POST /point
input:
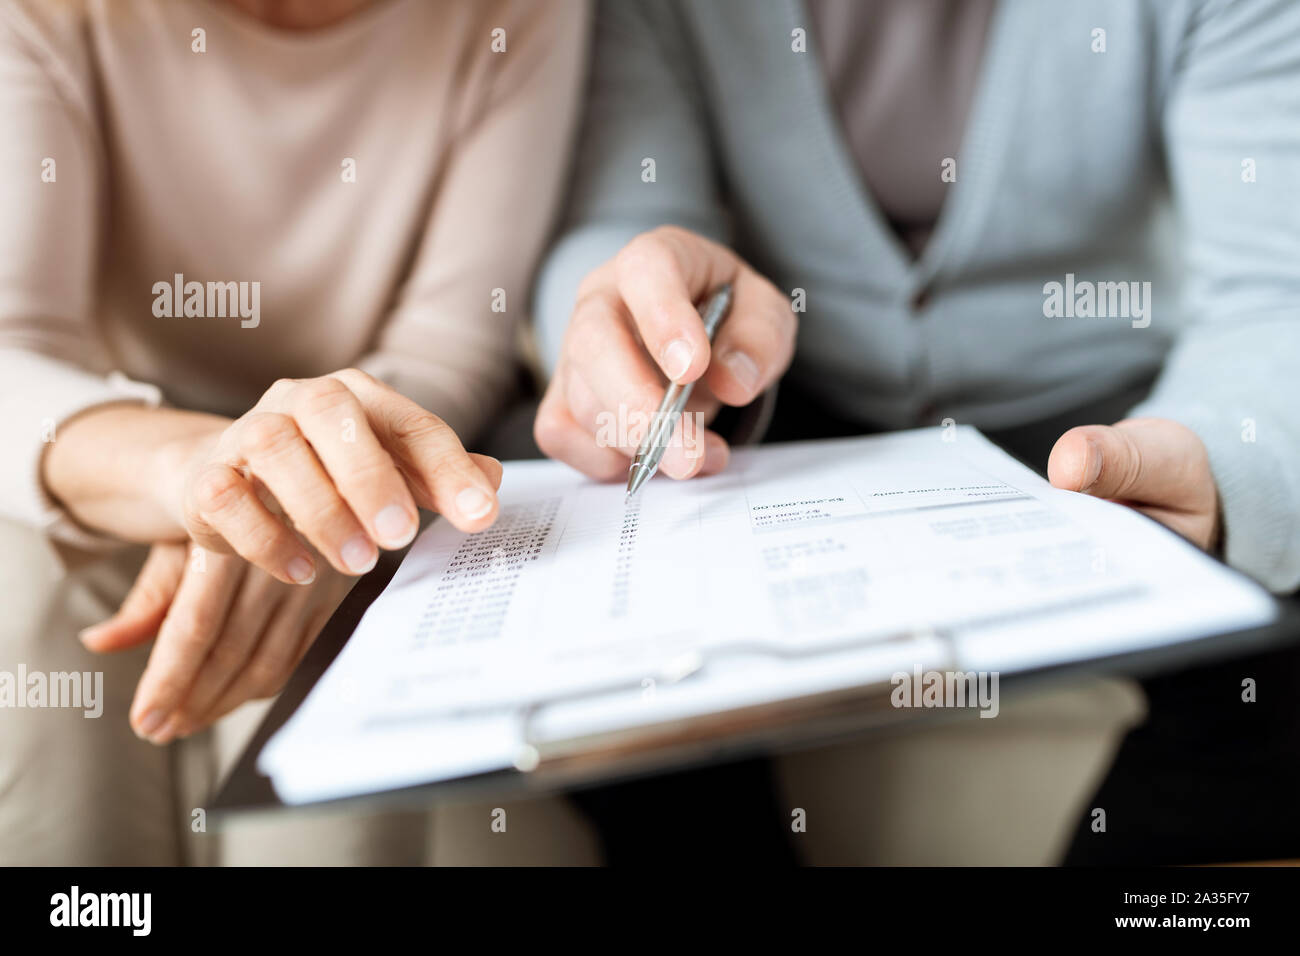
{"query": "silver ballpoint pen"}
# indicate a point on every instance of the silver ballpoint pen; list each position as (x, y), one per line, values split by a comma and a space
(660, 433)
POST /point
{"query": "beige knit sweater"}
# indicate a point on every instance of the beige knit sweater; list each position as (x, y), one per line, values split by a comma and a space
(202, 203)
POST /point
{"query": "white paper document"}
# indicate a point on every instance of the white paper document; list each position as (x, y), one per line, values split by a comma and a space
(804, 568)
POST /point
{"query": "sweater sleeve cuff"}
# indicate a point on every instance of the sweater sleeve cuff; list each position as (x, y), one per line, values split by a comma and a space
(32, 416)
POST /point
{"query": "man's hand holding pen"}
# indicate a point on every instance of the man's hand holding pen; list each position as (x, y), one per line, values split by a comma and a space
(636, 325)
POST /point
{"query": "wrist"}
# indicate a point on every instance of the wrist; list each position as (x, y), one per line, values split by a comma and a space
(117, 469)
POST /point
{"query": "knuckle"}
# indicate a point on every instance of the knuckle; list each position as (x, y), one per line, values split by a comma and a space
(150, 594)
(770, 344)
(318, 396)
(333, 513)
(265, 677)
(216, 489)
(417, 425)
(673, 239)
(369, 472)
(355, 376)
(280, 387)
(226, 656)
(641, 397)
(585, 406)
(1132, 477)
(668, 235)
(441, 467)
(1119, 465)
(266, 433)
(786, 320)
(184, 629)
(260, 543)
(315, 625)
(597, 279)
(587, 337)
(644, 250)
(592, 311)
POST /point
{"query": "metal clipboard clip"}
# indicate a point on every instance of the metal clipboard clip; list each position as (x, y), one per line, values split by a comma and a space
(534, 753)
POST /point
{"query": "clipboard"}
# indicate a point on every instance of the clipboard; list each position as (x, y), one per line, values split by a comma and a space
(618, 755)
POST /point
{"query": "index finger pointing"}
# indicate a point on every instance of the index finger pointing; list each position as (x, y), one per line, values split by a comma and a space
(441, 474)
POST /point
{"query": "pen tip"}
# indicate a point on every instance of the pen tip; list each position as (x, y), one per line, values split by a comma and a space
(637, 476)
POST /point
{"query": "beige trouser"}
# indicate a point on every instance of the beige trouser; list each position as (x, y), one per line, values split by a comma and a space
(85, 791)
(1006, 791)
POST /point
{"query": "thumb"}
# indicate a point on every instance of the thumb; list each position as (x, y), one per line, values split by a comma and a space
(1144, 460)
(145, 606)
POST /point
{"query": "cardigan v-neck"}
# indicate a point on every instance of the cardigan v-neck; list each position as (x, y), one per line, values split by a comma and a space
(901, 75)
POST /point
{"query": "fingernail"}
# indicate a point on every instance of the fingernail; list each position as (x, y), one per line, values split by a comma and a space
(676, 358)
(88, 633)
(167, 732)
(150, 722)
(394, 526)
(743, 369)
(301, 571)
(359, 554)
(473, 503)
(1092, 464)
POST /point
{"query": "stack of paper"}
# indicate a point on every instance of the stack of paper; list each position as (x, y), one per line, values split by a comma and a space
(804, 568)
